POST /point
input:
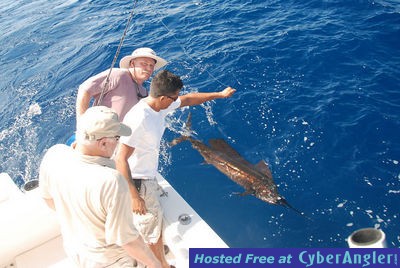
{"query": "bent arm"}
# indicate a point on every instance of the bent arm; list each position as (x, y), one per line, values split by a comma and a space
(137, 249)
(122, 164)
(82, 102)
(192, 99)
(88, 89)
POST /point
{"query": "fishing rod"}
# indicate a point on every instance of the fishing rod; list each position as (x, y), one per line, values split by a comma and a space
(71, 139)
(103, 91)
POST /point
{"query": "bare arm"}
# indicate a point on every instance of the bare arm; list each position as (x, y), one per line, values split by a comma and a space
(50, 203)
(140, 251)
(191, 99)
(82, 102)
(121, 161)
(89, 88)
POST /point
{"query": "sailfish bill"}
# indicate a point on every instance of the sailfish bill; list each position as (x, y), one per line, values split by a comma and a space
(255, 179)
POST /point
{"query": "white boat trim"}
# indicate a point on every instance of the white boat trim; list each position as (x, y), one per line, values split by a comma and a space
(30, 233)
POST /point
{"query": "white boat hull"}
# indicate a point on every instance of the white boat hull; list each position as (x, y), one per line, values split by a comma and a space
(30, 233)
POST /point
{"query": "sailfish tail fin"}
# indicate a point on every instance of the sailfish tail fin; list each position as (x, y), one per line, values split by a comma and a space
(187, 130)
(178, 140)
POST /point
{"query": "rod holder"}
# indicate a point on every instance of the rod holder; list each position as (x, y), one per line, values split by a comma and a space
(367, 238)
(30, 185)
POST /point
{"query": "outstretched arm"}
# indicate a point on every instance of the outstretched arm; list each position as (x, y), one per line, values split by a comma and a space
(191, 99)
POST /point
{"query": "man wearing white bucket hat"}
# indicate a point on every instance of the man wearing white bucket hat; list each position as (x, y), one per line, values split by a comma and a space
(125, 86)
(143, 52)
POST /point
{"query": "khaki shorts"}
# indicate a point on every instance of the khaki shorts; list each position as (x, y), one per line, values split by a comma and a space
(149, 225)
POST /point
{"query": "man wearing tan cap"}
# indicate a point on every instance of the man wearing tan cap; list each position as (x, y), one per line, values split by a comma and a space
(91, 198)
(125, 87)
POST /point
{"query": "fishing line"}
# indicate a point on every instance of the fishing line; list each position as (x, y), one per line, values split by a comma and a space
(187, 54)
(116, 55)
(207, 107)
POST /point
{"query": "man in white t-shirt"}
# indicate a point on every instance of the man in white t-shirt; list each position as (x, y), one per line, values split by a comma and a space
(137, 157)
(91, 198)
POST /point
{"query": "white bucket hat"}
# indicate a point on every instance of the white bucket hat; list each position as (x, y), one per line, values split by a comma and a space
(143, 52)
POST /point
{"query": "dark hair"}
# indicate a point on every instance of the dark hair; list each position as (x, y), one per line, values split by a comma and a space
(165, 83)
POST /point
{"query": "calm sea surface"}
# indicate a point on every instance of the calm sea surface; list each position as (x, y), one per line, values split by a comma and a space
(318, 98)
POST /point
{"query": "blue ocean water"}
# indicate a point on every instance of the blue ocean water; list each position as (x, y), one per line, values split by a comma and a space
(317, 98)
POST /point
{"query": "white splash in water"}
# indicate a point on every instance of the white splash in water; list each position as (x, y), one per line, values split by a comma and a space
(209, 113)
(340, 205)
(33, 110)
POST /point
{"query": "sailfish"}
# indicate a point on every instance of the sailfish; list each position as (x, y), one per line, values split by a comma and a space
(255, 179)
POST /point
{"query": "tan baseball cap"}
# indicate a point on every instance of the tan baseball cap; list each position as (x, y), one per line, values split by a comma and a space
(100, 122)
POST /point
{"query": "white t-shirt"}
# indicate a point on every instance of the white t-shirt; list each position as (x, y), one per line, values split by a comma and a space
(92, 203)
(147, 130)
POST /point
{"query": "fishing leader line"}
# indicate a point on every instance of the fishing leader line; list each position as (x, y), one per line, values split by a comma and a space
(207, 107)
(186, 53)
(191, 58)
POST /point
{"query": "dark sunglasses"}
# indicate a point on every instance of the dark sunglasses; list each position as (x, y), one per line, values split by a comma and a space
(115, 137)
(172, 98)
(140, 96)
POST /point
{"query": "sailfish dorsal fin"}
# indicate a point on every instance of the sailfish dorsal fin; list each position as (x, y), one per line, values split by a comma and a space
(222, 146)
(262, 166)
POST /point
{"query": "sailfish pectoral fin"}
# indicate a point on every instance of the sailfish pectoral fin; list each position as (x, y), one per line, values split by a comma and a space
(247, 192)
